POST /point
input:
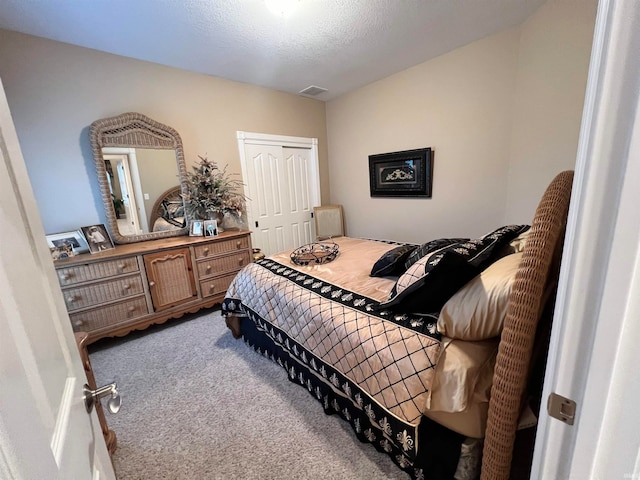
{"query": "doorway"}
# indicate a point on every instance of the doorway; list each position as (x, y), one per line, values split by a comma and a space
(126, 192)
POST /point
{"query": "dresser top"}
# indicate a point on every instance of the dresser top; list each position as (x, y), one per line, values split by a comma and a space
(148, 246)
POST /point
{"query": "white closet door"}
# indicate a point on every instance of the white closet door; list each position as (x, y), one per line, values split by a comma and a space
(281, 181)
(280, 204)
(297, 162)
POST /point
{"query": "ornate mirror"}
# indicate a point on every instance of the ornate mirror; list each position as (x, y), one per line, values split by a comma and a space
(140, 166)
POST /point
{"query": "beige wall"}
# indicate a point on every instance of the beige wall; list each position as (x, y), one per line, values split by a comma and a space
(555, 45)
(502, 115)
(458, 104)
(56, 90)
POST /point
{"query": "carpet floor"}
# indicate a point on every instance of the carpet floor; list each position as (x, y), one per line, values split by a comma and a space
(198, 404)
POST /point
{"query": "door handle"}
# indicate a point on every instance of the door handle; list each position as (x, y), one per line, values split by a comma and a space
(92, 397)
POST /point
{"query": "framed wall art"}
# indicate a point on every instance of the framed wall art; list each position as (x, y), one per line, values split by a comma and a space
(401, 174)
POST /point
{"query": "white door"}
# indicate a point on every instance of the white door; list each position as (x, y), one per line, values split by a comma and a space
(127, 200)
(282, 184)
(593, 354)
(45, 431)
(125, 162)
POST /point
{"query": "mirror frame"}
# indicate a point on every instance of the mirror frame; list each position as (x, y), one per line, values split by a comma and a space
(133, 130)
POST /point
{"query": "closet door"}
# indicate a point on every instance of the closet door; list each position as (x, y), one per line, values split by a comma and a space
(282, 187)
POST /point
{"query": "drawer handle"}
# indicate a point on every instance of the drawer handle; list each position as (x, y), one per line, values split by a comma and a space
(208, 268)
(78, 323)
(131, 309)
(240, 261)
(122, 266)
(126, 286)
(152, 284)
(66, 276)
(206, 251)
(212, 288)
(71, 299)
(238, 244)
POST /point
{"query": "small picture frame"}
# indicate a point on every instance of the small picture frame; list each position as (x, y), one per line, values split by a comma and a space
(196, 228)
(97, 238)
(210, 228)
(63, 251)
(66, 242)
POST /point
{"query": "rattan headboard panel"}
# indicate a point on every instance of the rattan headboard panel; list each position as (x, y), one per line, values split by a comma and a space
(523, 314)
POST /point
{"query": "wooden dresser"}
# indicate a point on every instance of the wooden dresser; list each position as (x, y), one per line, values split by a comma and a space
(136, 285)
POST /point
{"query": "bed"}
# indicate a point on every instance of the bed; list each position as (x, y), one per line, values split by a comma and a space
(424, 349)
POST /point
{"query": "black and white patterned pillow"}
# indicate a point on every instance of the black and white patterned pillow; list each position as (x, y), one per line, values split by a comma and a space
(392, 262)
(431, 281)
(430, 247)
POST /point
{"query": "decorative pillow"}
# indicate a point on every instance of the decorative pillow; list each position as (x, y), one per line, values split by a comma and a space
(429, 282)
(477, 311)
(430, 247)
(392, 262)
(432, 280)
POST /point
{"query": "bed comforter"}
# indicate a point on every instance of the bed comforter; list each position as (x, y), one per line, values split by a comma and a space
(373, 368)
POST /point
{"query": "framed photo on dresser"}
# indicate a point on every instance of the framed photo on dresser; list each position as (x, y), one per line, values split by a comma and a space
(68, 241)
(98, 238)
(210, 228)
(196, 228)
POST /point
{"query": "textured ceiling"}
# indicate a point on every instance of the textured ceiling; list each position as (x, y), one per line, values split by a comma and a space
(339, 45)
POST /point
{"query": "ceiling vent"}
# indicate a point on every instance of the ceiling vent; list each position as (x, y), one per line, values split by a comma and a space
(312, 90)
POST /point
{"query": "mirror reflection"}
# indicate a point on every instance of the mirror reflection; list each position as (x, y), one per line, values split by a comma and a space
(141, 181)
(141, 171)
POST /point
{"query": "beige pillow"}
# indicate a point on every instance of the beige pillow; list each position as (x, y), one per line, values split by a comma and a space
(477, 310)
(463, 374)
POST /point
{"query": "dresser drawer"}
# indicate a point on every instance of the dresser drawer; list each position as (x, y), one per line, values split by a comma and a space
(94, 271)
(103, 292)
(108, 315)
(216, 286)
(225, 246)
(224, 264)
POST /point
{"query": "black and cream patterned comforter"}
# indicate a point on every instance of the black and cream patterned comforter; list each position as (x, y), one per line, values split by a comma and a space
(372, 367)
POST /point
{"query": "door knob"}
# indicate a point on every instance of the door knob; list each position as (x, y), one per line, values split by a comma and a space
(92, 397)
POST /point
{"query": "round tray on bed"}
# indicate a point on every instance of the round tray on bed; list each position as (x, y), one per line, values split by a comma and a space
(315, 253)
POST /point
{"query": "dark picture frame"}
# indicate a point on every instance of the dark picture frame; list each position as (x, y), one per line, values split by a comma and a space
(97, 238)
(408, 173)
(210, 228)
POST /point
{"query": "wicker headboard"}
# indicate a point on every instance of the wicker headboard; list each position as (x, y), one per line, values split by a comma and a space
(525, 307)
(159, 210)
